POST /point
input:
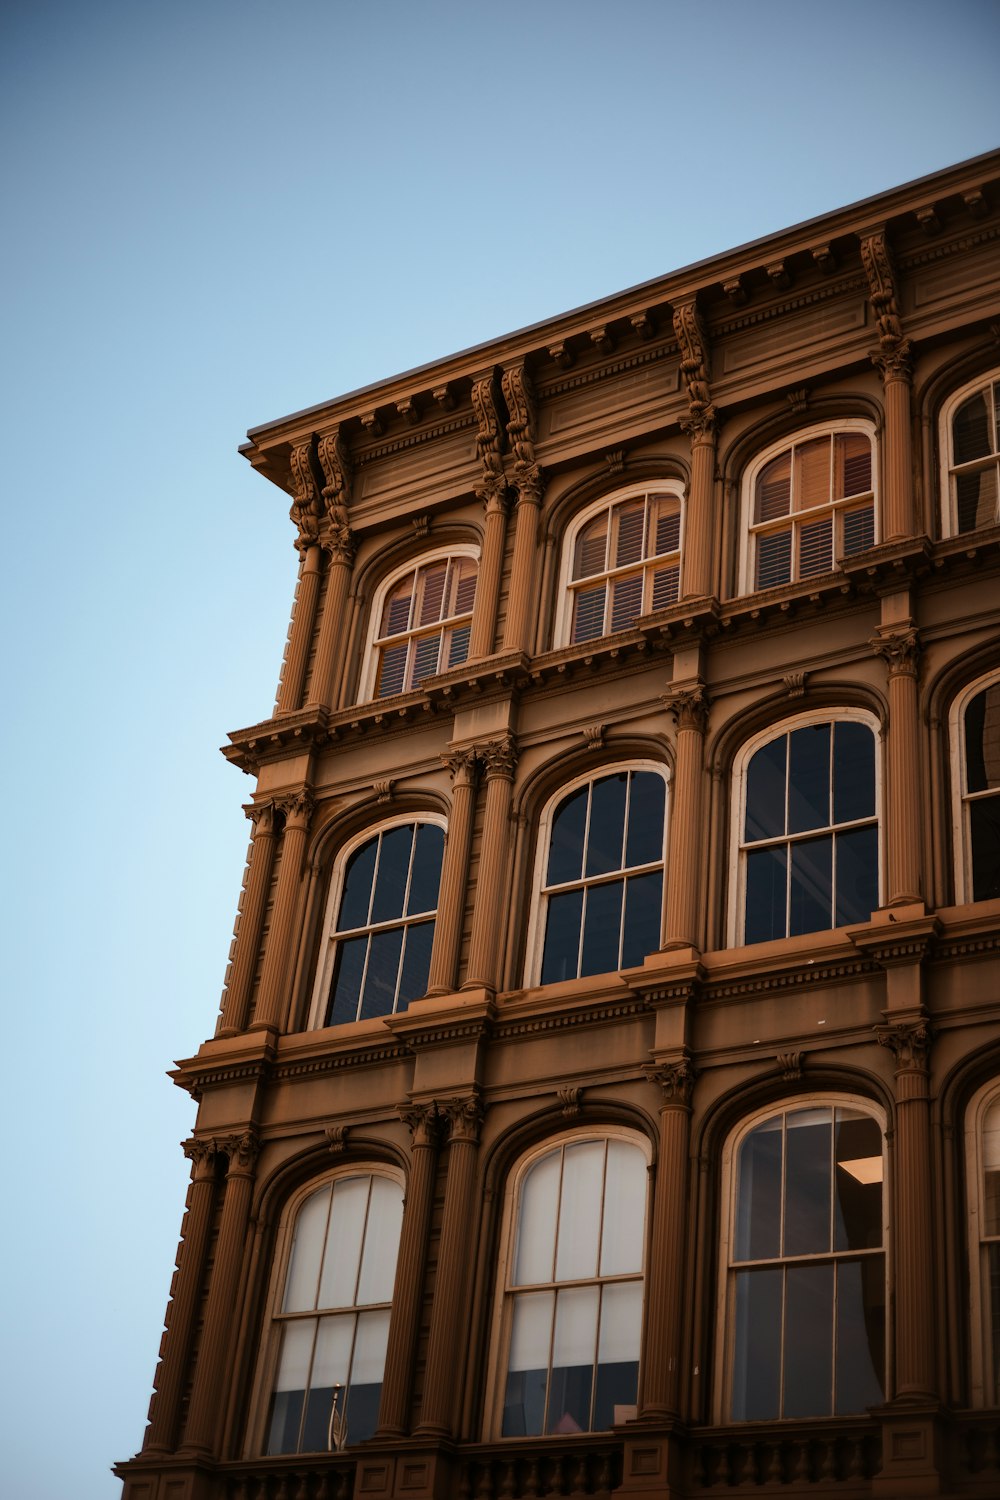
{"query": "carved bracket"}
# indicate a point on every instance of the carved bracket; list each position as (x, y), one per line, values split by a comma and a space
(384, 789)
(790, 1065)
(336, 1136)
(305, 510)
(569, 1099)
(521, 405)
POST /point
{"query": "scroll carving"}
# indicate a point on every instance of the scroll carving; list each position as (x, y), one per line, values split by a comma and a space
(336, 1136)
(569, 1099)
(520, 398)
(790, 1066)
(304, 512)
(893, 355)
(384, 789)
(489, 435)
(690, 334)
(337, 537)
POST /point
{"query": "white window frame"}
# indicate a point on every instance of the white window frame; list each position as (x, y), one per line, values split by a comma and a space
(369, 673)
(674, 488)
(270, 1343)
(983, 1378)
(539, 904)
(749, 529)
(737, 862)
(328, 941)
(961, 840)
(504, 1297)
(724, 1330)
(949, 510)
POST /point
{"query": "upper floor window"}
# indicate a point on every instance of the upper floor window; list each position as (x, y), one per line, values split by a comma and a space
(808, 504)
(380, 923)
(976, 762)
(571, 1287)
(803, 1306)
(421, 621)
(332, 1318)
(971, 443)
(599, 875)
(806, 838)
(983, 1177)
(622, 558)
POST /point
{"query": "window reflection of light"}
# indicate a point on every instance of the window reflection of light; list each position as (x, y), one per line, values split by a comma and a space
(864, 1169)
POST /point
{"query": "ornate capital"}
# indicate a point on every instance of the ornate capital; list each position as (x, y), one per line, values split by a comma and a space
(462, 764)
(464, 1117)
(893, 360)
(900, 649)
(520, 399)
(335, 461)
(688, 707)
(690, 334)
(202, 1156)
(261, 815)
(529, 483)
(494, 494)
(241, 1149)
(702, 425)
(297, 807)
(878, 267)
(909, 1042)
(676, 1079)
(424, 1121)
(499, 757)
(489, 435)
(304, 513)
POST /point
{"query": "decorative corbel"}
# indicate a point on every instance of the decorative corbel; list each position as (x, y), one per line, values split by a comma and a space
(337, 538)
(690, 334)
(569, 1099)
(795, 683)
(790, 1066)
(492, 488)
(336, 1137)
(594, 735)
(305, 512)
(384, 789)
(879, 271)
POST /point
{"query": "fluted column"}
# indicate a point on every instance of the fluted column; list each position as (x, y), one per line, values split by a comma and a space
(697, 569)
(448, 1332)
(899, 646)
(913, 1221)
(500, 759)
(443, 973)
(276, 975)
(408, 1292)
(484, 613)
(161, 1434)
(337, 540)
(667, 1279)
(685, 853)
(897, 504)
(521, 599)
(210, 1376)
(236, 1001)
(300, 639)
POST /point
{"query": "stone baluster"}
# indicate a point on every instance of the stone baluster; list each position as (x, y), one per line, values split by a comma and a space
(275, 975)
(500, 759)
(667, 1279)
(443, 975)
(236, 1001)
(899, 646)
(685, 854)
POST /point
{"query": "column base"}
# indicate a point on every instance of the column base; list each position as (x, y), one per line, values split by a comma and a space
(913, 1450)
(654, 1459)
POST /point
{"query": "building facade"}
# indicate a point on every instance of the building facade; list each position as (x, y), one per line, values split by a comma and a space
(606, 1091)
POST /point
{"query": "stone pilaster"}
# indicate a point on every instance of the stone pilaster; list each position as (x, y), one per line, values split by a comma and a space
(275, 976)
(892, 359)
(521, 600)
(236, 1001)
(697, 569)
(685, 852)
(493, 493)
(667, 1280)
(500, 759)
(899, 647)
(443, 975)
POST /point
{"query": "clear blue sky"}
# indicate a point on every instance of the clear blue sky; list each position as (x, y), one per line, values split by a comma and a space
(217, 212)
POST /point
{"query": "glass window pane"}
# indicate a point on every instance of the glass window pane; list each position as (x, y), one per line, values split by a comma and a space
(857, 1183)
(811, 479)
(808, 1341)
(852, 464)
(758, 1193)
(602, 928)
(774, 490)
(590, 552)
(426, 873)
(666, 529)
(991, 1169)
(393, 868)
(860, 1334)
(631, 518)
(574, 1347)
(644, 844)
(643, 917)
(622, 1235)
(331, 1366)
(810, 896)
(859, 530)
(588, 613)
(391, 671)
(366, 1375)
(464, 572)
(617, 1352)
(424, 658)
(808, 1147)
(853, 771)
(357, 887)
(757, 1345)
(561, 955)
(982, 741)
(816, 548)
(984, 828)
(971, 429)
(416, 963)
(378, 1261)
(626, 601)
(976, 498)
(809, 778)
(766, 895)
(343, 1241)
(857, 875)
(396, 614)
(566, 841)
(580, 1211)
(345, 988)
(536, 1224)
(774, 559)
(528, 1365)
(290, 1386)
(765, 812)
(607, 823)
(309, 1236)
(383, 973)
(432, 593)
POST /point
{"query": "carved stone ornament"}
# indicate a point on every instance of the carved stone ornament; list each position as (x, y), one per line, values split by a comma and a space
(261, 815)
(688, 707)
(297, 807)
(489, 436)
(900, 649)
(336, 1136)
(520, 398)
(798, 400)
(594, 735)
(569, 1099)
(529, 483)
(795, 683)
(424, 1122)
(676, 1079)
(615, 461)
(881, 288)
(241, 1149)
(464, 1117)
(893, 361)
(499, 757)
(337, 536)
(492, 491)
(200, 1153)
(790, 1066)
(462, 763)
(383, 789)
(909, 1042)
(304, 512)
(690, 335)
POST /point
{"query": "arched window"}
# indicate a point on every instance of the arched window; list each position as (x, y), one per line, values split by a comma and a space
(809, 503)
(621, 559)
(331, 1320)
(570, 1314)
(599, 875)
(971, 447)
(380, 922)
(976, 762)
(802, 1310)
(983, 1179)
(806, 839)
(421, 621)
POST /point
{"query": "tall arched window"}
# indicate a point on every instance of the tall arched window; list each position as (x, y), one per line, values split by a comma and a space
(976, 773)
(376, 951)
(331, 1320)
(599, 875)
(971, 447)
(809, 503)
(421, 621)
(802, 1310)
(983, 1182)
(805, 841)
(621, 559)
(571, 1288)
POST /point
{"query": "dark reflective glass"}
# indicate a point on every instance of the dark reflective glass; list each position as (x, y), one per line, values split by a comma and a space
(984, 824)
(425, 876)
(993, 1252)
(857, 1183)
(860, 1335)
(383, 973)
(562, 937)
(566, 841)
(643, 917)
(524, 1403)
(971, 429)
(766, 895)
(765, 816)
(416, 963)
(362, 1411)
(617, 1385)
(348, 972)
(316, 1427)
(607, 824)
(357, 887)
(976, 498)
(808, 1341)
(808, 1145)
(810, 895)
(809, 778)
(757, 1346)
(853, 771)
(393, 868)
(982, 741)
(286, 1417)
(602, 928)
(569, 1398)
(644, 844)
(857, 875)
(758, 1194)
